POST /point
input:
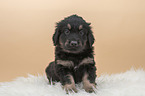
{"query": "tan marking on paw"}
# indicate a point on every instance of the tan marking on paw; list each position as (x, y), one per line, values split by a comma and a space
(65, 63)
(87, 85)
(70, 87)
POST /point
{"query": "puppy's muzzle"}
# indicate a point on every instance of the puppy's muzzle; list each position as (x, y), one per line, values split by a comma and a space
(74, 43)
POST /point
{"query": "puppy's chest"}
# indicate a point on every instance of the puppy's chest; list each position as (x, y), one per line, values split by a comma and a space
(75, 63)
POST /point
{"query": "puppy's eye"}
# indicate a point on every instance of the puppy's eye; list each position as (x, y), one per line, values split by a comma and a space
(81, 33)
(66, 32)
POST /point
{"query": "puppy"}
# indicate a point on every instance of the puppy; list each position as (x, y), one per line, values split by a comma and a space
(74, 60)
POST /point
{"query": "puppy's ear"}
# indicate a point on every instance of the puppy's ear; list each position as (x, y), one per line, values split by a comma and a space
(56, 37)
(91, 39)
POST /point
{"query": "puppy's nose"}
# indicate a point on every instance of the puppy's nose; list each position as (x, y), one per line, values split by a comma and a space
(74, 43)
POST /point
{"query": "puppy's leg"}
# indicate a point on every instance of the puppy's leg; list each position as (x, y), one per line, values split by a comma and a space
(66, 78)
(70, 86)
(51, 74)
(89, 79)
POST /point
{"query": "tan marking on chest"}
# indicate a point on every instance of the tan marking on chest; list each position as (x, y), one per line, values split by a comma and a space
(65, 63)
(86, 61)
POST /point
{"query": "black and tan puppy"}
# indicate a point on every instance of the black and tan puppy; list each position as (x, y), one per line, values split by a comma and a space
(74, 60)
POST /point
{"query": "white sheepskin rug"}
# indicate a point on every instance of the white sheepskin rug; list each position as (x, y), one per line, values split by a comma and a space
(130, 83)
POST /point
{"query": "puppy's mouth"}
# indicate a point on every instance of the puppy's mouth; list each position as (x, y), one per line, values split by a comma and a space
(72, 48)
(68, 47)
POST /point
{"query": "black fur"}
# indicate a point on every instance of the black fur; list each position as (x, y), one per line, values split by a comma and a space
(64, 51)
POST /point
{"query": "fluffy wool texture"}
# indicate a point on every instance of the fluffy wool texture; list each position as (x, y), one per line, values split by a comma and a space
(130, 83)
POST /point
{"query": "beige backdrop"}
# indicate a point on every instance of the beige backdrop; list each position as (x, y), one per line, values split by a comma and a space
(27, 26)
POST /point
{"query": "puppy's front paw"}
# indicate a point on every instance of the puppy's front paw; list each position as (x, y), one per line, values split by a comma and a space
(70, 88)
(89, 87)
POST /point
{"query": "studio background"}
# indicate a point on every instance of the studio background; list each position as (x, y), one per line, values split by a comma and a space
(27, 26)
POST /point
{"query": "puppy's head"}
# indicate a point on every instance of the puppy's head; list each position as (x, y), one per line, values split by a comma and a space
(73, 34)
